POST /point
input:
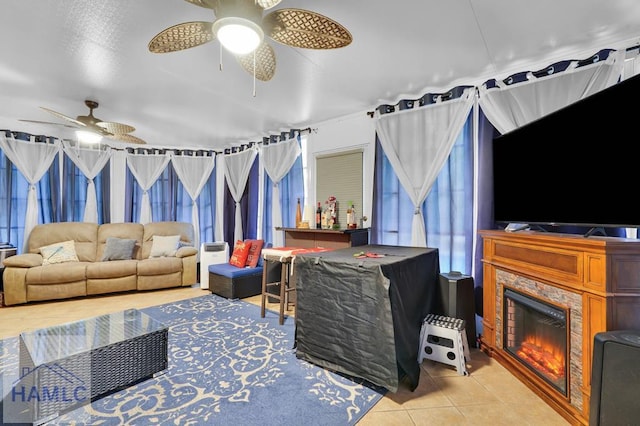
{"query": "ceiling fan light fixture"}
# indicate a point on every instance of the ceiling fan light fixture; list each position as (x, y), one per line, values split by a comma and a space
(238, 35)
(89, 137)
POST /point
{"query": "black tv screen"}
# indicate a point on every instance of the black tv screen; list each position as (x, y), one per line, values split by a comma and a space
(576, 166)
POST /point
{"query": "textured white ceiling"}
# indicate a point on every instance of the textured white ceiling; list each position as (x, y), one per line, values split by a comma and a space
(56, 54)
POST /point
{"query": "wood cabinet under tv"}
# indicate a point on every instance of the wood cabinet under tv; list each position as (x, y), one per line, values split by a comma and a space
(600, 274)
(327, 238)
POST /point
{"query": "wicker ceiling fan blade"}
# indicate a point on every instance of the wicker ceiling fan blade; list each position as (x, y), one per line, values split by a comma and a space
(207, 4)
(49, 123)
(305, 29)
(265, 4)
(64, 117)
(127, 138)
(115, 128)
(211, 4)
(265, 62)
(182, 36)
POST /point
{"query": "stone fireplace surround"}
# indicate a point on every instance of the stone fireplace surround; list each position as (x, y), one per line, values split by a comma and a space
(597, 279)
(558, 297)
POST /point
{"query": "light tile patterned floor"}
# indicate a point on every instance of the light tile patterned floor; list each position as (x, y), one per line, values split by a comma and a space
(490, 395)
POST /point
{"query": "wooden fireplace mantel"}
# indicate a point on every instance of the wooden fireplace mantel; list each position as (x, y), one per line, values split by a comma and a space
(601, 273)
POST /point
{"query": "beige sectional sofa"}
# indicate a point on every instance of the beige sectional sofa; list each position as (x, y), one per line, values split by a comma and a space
(106, 260)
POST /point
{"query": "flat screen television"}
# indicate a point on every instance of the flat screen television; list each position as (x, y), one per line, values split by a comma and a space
(577, 166)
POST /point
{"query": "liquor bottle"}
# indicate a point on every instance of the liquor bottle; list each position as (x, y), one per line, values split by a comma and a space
(319, 216)
(298, 214)
(352, 223)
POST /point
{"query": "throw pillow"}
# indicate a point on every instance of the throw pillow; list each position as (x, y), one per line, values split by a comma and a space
(118, 249)
(240, 253)
(254, 253)
(59, 253)
(164, 246)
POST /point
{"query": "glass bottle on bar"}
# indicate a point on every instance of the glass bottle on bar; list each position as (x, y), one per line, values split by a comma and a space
(319, 216)
(298, 214)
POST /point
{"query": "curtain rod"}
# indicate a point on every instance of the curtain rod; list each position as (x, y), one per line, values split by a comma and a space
(236, 148)
(38, 138)
(307, 130)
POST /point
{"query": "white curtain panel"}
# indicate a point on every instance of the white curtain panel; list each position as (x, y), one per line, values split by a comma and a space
(418, 142)
(220, 195)
(118, 176)
(261, 200)
(193, 172)
(509, 107)
(237, 170)
(146, 168)
(278, 158)
(90, 162)
(32, 159)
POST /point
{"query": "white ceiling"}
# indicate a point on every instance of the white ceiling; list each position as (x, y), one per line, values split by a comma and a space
(56, 54)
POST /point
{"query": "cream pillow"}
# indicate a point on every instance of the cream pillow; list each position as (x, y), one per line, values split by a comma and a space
(164, 246)
(59, 253)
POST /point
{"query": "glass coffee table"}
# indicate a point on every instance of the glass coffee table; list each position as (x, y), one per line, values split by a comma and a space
(69, 365)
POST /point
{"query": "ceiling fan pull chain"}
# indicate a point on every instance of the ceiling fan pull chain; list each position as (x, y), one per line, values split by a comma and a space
(221, 57)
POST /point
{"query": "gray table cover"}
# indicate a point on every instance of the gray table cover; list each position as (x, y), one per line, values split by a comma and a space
(362, 317)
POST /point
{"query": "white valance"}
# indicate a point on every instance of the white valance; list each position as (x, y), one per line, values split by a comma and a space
(509, 107)
(417, 143)
(278, 158)
(146, 168)
(237, 169)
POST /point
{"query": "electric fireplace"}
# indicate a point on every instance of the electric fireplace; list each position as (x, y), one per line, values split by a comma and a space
(589, 284)
(535, 334)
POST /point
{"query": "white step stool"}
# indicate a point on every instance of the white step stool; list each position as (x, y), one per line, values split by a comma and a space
(443, 339)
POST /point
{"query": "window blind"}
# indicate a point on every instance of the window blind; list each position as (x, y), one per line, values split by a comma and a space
(340, 175)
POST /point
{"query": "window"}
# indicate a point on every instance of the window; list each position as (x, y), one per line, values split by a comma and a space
(340, 175)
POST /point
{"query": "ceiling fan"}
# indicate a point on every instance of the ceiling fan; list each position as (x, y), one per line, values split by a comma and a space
(108, 129)
(238, 21)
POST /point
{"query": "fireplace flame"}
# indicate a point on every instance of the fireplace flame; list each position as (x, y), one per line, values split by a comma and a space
(547, 361)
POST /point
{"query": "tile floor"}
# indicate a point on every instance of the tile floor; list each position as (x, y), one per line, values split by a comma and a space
(489, 395)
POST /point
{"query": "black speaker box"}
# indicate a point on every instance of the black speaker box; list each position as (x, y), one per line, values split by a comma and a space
(615, 379)
(458, 300)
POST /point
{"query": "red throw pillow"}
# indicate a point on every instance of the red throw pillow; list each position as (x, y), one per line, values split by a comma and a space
(240, 253)
(254, 252)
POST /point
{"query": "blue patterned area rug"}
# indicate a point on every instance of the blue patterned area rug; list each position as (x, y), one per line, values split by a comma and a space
(227, 365)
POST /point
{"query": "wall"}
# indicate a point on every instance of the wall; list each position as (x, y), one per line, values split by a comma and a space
(348, 133)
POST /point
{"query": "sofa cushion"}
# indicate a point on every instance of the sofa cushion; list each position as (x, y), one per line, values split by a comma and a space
(59, 253)
(231, 271)
(185, 251)
(59, 273)
(112, 269)
(118, 249)
(83, 234)
(123, 230)
(240, 253)
(159, 266)
(254, 253)
(184, 229)
(25, 260)
(164, 246)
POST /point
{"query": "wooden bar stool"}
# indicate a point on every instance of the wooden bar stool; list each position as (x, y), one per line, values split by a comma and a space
(285, 257)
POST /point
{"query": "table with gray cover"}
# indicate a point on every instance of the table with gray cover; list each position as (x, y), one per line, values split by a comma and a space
(362, 316)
